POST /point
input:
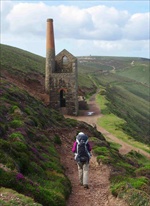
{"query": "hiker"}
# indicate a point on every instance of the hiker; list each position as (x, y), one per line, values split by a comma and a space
(81, 148)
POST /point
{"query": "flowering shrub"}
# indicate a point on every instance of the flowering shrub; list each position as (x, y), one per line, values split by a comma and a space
(34, 150)
(20, 176)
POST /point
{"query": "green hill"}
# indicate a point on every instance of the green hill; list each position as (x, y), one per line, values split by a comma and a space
(31, 135)
(16, 60)
(30, 139)
(126, 81)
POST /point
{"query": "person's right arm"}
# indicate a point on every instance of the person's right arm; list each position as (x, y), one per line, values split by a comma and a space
(89, 147)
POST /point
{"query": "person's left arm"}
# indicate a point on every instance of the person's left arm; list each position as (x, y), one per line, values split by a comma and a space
(74, 148)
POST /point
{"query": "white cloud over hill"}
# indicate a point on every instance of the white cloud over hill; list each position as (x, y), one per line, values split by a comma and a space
(97, 30)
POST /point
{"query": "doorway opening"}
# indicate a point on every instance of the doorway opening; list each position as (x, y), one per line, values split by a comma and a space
(62, 98)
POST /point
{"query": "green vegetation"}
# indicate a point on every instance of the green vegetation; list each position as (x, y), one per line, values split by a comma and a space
(30, 164)
(130, 174)
(15, 199)
(129, 102)
(116, 125)
(126, 90)
(18, 61)
(57, 140)
(138, 72)
(114, 145)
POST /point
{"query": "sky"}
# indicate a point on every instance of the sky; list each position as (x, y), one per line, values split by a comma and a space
(96, 28)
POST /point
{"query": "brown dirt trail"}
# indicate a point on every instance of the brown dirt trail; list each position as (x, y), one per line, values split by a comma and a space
(98, 193)
(92, 120)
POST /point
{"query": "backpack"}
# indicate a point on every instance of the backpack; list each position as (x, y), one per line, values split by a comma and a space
(82, 151)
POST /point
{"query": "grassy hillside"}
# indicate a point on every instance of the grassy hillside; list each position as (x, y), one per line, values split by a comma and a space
(139, 72)
(30, 139)
(130, 101)
(127, 90)
(126, 81)
(16, 60)
(30, 163)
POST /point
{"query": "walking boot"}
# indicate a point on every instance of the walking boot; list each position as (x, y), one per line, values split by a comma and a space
(86, 186)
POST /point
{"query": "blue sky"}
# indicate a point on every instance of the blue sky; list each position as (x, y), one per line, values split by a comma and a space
(101, 28)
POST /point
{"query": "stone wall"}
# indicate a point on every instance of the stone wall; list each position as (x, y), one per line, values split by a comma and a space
(63, 84)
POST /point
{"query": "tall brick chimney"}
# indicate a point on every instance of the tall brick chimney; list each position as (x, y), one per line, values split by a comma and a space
(50, 54)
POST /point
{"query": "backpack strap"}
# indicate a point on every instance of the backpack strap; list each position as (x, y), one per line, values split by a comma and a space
(87, 151)
(78, 142)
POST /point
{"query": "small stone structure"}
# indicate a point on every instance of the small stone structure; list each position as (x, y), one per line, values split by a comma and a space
(60, 76)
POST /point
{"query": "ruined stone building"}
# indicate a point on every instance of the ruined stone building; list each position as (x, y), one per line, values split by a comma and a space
(60, 76)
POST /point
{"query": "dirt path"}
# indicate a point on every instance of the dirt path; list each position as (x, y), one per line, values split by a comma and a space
(98, 193)
(94, 112)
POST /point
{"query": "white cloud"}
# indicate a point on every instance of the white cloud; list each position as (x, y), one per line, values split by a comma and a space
(98, 22)
(5, 8)
(137, 28)
(112, 48)
(27, 18)
(97, 28)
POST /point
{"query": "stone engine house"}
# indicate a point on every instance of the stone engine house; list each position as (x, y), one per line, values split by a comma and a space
(60, 76)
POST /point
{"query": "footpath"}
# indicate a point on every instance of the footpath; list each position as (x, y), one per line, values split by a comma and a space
(98, 193)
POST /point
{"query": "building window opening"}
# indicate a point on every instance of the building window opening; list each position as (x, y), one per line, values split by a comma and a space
(62, 99)
(65, 60)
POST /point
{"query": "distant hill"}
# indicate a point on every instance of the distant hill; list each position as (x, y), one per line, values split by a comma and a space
(127, 84)
(126, 80)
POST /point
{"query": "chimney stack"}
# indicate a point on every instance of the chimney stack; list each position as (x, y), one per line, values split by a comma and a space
(50, 54)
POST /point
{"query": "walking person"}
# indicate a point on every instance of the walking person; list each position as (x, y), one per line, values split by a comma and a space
(81, 148)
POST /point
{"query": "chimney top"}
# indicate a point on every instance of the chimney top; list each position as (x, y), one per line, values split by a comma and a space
(49, 20)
